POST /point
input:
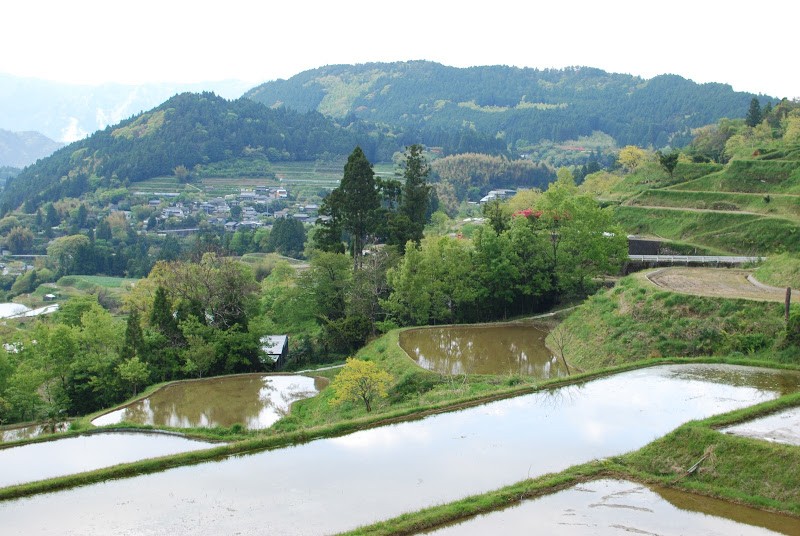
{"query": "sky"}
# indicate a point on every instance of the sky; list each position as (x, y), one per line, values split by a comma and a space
(749, 46)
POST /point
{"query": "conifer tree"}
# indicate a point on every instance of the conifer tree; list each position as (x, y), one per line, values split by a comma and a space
(754, 113)
(359, 201)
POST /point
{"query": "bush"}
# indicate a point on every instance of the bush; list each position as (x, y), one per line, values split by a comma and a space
(413, 384)
(793, 329)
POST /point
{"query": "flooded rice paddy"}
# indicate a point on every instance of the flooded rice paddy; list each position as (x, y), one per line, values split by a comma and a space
(30, 431)
(330, 485)
(781, 427)
(70, 455)
(491, 349)
(613, 507)
(255, 401)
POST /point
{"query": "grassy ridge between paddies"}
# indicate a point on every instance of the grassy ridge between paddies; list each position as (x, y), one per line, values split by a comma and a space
(741, 470)
(754, 176)
(780, 271)
(415, 393)
(731, 233)
(637, 320)
(787, 206)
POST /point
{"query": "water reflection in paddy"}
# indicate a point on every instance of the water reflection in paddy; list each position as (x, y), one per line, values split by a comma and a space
(331, 485)
(69, 455)
(781, 427)
(254, 400)
(491, 349)
(612, 507)
(30, 431)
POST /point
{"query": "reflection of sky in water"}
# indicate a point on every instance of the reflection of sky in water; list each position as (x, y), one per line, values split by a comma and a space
(781, 427)
(332, 485)
(70, 455)
(613, 507)
(255, 401)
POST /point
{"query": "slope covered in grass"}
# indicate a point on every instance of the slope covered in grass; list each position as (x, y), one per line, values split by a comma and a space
(637, 320)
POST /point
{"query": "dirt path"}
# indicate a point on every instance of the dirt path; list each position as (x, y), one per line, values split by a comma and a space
(717, 283)
(707, 210)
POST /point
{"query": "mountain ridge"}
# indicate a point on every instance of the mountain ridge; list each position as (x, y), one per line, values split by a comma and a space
(523, 105)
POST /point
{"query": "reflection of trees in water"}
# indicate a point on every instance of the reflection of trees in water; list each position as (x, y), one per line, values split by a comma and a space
(558, 397)
(516, 349)
(785, 382)
(254, 401)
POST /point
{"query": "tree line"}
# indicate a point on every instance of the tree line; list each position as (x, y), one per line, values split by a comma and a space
(371, 268)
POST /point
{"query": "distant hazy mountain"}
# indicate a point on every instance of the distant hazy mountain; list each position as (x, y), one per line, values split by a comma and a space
(515, 105)
(189, 129)
(66, 112)
(19, 149)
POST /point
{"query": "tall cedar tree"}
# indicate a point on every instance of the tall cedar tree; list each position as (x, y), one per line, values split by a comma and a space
(359, 201)
(753, 113)
(328, 234)
(416, 191)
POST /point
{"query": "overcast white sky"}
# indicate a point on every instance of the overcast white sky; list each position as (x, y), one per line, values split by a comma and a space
(752, 46)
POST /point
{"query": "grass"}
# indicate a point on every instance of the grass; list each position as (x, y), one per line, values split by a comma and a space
(780, 271)
(746, 470)
(740, 234)
(86, 282)
(741, 470)
(768, 204)
(753, 176)
(636, 320)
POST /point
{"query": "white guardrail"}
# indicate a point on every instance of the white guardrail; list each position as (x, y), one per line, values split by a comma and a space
(695, 259)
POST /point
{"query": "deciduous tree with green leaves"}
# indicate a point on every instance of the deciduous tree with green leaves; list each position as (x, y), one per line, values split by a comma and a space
(360, 381)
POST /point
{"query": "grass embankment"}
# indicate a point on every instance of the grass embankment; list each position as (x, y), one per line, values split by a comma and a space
(734, 233)
(741, 470)
(651, 175)
(415, 393)
(637, 320)
(787, 206)
(753, 176)
(780, 271)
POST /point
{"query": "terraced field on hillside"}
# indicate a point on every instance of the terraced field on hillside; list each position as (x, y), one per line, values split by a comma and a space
(749, 207)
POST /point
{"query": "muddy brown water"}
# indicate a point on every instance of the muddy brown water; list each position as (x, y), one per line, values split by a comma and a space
(613, 507)
(491, 349)
(255, 401)
(331, 485)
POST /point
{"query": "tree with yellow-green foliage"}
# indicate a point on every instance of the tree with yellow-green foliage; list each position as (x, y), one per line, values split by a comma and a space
(631, 157)
(360, 381)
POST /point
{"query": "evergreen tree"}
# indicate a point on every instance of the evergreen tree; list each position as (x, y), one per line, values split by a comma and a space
(328, 233)
(134, 339)
(163, 319)
(416, 191)
(754, 115)
(359, 202)
(668, 161)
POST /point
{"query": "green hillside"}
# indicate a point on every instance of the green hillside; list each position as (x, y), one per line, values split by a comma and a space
(746, 203)
(187, 130)
(638, 320)
(516, 106)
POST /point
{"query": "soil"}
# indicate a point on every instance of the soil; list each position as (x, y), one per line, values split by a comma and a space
(717, 283)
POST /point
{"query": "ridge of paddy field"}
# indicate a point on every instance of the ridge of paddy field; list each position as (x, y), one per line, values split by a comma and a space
(638, 320)
(731, 232)
(749, 176)
(781, 205)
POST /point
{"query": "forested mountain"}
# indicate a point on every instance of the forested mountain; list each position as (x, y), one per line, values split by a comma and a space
(186, 130)
(19, 149)
(513, 105)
